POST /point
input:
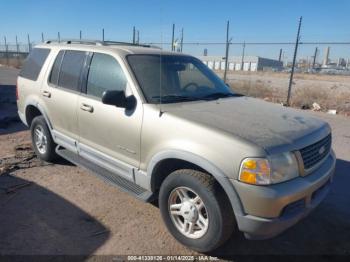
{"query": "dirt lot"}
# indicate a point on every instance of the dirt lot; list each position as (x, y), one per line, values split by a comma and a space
(329, 91)
(62, 209)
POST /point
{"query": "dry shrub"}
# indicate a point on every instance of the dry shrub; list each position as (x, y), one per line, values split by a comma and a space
(326, 98)
(301, 97)
(11, 62)
(257, 89)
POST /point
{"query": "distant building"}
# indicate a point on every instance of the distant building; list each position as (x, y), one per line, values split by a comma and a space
(250, 63)
(205, 52)
(326, 56)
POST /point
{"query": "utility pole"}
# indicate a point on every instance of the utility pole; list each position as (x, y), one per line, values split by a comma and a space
(227, 49)
(294, 60)
(280, 56)
(59, 37)
(182, 39)
(172, 39)
(133, 35)
(138, 37)
(314, 60)
(80, 35)
(243, 53)
(103, 34)
(42, 37)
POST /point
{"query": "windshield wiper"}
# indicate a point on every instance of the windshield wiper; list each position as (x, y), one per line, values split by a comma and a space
(174, 98)
(220, 95)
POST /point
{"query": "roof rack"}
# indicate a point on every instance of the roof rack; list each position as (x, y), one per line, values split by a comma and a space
(97, 43)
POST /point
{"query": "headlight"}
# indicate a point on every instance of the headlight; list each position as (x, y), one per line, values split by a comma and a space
(271, 170)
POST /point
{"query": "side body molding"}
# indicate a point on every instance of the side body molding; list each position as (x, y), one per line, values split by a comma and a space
(222, 179)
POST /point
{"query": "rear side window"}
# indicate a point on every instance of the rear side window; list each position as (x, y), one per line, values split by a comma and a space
(105, 74)
(35, 61)
(55, 72)
(72, 64)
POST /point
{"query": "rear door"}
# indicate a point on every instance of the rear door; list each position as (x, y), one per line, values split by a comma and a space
(109, 136)
(61, 92)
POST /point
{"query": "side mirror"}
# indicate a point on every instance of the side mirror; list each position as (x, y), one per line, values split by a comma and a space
(118, 99)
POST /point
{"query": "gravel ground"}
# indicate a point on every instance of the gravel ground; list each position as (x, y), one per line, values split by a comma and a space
(62, 209)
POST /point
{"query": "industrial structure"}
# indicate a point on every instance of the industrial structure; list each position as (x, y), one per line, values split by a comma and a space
(237, 63)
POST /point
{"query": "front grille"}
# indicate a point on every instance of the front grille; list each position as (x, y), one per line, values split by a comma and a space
(314, 153)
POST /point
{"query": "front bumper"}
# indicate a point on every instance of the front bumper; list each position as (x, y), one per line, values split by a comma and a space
(269, 210)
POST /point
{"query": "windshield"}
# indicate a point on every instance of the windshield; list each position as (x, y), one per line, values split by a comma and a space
(176, 78)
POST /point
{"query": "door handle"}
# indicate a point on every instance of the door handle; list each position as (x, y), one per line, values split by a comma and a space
(46, 94)
(87, 108)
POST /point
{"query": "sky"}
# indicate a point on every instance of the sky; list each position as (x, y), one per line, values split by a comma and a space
(203, 21)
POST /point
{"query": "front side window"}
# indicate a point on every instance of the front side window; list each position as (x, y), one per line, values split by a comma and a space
(33, 64)
(72, 64)
(176, 78)
(105, 73)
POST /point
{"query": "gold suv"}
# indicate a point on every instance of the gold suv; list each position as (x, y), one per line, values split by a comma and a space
(162, 126)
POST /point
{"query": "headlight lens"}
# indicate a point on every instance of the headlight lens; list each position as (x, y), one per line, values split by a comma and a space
(274, 169)
(283, 167)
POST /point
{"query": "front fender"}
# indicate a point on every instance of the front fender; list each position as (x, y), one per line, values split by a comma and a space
(220, 177)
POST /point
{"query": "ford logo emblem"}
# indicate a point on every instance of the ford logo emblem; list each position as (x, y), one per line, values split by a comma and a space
(321, 150)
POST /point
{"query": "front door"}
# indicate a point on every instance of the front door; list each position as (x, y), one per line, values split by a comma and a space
(109, 136)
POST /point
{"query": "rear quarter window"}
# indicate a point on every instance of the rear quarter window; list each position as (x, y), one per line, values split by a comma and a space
(34, 63)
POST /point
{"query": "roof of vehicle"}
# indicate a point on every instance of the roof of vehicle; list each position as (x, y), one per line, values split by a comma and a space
(93, 45)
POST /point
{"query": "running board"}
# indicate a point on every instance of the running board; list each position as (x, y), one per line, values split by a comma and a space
(112, 178)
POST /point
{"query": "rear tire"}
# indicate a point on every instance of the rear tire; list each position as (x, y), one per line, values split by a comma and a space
(42, 141)
(196, 210)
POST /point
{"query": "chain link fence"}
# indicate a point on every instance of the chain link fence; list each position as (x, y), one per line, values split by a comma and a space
(322, 70)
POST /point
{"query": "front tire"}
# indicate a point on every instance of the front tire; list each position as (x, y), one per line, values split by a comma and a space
(42, 141)
(196, 210)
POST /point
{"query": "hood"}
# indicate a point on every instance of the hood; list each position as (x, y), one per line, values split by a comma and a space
(273, 127)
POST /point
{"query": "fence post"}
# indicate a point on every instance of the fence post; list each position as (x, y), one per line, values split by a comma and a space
(227, 50)
(182, 39)
(6, 51)
(17, 49)
(243, 54)
(172, 39)
(293, 65)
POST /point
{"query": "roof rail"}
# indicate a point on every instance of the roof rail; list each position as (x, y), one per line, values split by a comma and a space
(97, 42)
(75, 41)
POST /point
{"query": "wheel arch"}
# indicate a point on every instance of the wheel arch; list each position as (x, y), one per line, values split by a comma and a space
(191, 160)
(33, 109)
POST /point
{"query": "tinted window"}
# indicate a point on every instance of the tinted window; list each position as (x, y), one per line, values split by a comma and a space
(175, 75)
(35, 61)
(71, 67)
(56, 68)
(105, 74)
